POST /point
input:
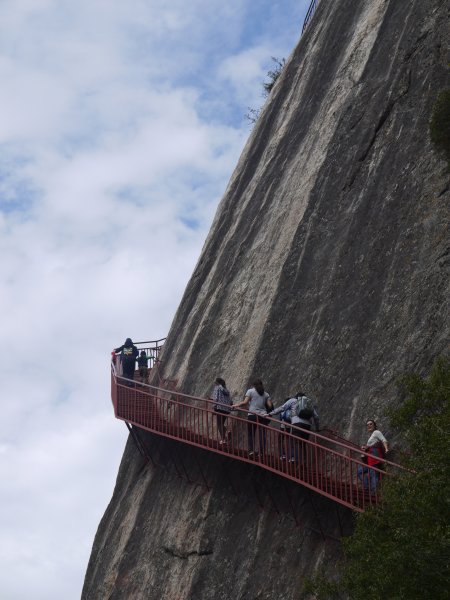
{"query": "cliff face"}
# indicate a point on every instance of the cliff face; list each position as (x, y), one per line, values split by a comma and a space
(326, 267)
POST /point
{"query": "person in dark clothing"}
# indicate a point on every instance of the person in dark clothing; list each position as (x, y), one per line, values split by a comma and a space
(128, 354)
(143, 366)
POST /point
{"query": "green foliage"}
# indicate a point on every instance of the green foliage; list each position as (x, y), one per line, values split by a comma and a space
(402, 551)
(320, 587)
(440, 124)
(253, 113)
(273, 75)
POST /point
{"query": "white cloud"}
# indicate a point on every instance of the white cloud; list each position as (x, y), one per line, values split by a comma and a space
(120, 124)
(244, 72)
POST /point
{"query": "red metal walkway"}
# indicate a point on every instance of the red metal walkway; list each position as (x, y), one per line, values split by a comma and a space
(327, 463)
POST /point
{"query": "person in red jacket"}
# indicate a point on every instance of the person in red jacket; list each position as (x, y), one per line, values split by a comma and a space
(376, 447)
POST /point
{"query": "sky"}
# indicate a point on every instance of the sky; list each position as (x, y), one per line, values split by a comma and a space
(120, 126)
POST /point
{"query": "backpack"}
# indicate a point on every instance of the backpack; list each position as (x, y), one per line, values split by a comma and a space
(381, 465)
(268, 404)
(303, 408)
(286, 416)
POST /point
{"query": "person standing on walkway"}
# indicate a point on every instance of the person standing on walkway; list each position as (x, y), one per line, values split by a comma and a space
(377, 447)
(259, 404)
(302, 412)
(223, 407)
(143, 366)
(128, 354)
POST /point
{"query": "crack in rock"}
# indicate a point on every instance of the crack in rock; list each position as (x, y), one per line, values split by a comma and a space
(176, 553)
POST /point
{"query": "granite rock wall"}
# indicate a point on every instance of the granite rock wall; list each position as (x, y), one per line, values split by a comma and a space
(327, 267)
(327, 262)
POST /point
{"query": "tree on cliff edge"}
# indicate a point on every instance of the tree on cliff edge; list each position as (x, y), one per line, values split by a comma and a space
(402, 551)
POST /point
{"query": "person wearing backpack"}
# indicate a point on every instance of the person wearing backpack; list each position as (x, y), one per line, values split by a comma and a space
(376, 447)
(259, 404)
(302, 412)
(128, 354)
(223, 407)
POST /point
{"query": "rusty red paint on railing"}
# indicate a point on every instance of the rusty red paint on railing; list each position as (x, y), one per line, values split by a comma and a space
(324, 464)
(152, 349)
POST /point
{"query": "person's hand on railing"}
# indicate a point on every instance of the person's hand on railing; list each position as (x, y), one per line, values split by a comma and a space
(239, 404)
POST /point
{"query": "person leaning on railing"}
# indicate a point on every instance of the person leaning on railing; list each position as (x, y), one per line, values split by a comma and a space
(259, 404)
(302, 413)
(128, 354)
(377, 447)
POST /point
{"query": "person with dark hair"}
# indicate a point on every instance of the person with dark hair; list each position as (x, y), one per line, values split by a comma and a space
(128, 354)
(223, 407)
(259, 404)
(376, 447)
(143, 366)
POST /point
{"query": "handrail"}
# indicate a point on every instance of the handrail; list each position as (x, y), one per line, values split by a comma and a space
(152, 342)
(327, 435)
(310, 14)
(323, 464)
(331, 434)
(152, 349)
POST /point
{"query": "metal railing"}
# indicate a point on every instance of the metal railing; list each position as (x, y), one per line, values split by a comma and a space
(310, 14)
(152, 350)
(323, 462)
